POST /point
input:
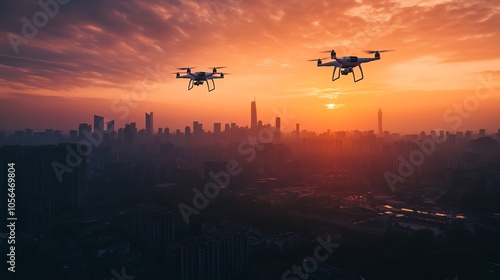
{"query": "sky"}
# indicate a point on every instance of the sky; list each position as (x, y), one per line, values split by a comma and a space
(65, 61)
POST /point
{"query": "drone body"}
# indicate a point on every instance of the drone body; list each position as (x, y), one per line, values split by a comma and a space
(198, 78)
(346, 64)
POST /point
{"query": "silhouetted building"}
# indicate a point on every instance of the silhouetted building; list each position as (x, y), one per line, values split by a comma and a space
(48, 186)
(84, 127)
(29, 133)
(129, 133)
(110, 127)
(217, 128)
(98, 123)
(187, 134)
(380, 130)
(482, 132)
(253, 117)
(153, 226)
(197, 130)
(278, 124)
(149, 124)
(221, 256)
(73, 135)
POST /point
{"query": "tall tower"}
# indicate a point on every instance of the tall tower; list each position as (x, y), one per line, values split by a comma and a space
(253, 113)
(149, 124)
(380, 131)
(98, 123)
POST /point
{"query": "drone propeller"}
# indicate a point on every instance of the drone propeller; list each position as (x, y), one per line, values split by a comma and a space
(314, 60)
(381, 51)
(185, 68)
(218, 67)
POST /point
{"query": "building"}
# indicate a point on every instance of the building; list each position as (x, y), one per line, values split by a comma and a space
(222, 256)
(154, 226)
(84, 127)
(98, 123)
(129, 134)
(380, 130)
(149, 124)
(45, 186)
(253, 117)
(277, 130)
(217, 128)
(197, 130)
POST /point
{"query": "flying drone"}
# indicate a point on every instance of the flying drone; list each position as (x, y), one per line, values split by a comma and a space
(198, 78)
(346, 64)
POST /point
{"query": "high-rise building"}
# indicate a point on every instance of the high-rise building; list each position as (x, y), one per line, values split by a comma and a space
(197, 129)
(221, 256)
(482, 132)
(217, 128)
(149, 124)
(110, 127)
(297, 129)
(253, 113)
(98, 123)
(84, 128)
(110, 132)
(129, 133)
(154, 226)
(380, 131)
(187, 133)
(278, 128)
(48, 187)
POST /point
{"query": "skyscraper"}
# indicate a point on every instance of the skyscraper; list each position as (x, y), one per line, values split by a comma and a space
(98, 123)
(84, 127)
(217, 128)
(380, 131)
(149, 124)
(253, 113)
(278, 128)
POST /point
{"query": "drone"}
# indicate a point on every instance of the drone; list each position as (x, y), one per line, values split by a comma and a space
(198, 78)
(346, 64)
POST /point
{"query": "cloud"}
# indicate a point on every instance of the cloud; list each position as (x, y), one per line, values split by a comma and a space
(108, 44)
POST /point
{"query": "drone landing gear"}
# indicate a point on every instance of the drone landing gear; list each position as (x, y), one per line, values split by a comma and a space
(213, 85)
(190, 84)
(333, 74)
(346, 71)
(354, 76)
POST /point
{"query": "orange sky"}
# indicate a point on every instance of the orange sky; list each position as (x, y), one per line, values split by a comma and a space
(90, 56)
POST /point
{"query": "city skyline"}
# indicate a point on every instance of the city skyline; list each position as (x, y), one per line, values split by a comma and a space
(149, 129)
